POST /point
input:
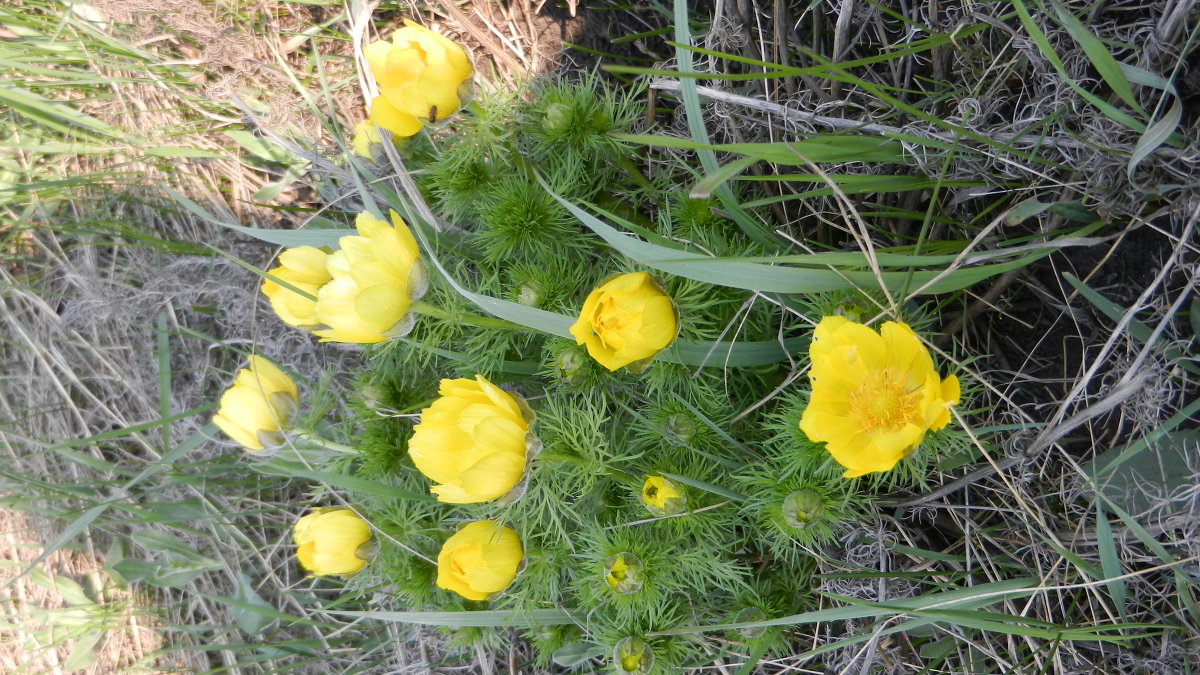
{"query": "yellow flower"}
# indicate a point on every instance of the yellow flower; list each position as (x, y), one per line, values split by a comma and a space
(365, 135)
(480, 559)
(663, 496)
(304, 268)
(874, 395)
(375, 276)
(328, 541)
(422, 77)
(259, 406)
(626, 319)
(473, 440)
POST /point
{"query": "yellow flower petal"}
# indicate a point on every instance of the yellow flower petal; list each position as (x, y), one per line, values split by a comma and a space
(365, 135)
(387, 116)
(304, 268)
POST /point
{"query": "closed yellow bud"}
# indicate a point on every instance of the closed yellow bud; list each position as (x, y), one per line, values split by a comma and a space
(329, 541)
(626, 319)
(375, 276)
(473, 441)
(480, 559)
(663, 496)
(259, 406)
(304, 268)
(422, 77)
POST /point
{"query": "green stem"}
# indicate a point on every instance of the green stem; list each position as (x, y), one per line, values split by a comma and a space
(633, 171)
(426, 309)
(311, 437)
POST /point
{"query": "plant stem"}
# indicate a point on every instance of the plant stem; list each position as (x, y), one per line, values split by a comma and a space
(426, 309)
(311, 437)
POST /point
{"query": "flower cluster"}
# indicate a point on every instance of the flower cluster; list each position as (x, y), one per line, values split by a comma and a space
(667, 482)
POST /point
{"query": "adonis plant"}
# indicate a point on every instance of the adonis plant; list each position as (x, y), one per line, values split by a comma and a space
(553, 428)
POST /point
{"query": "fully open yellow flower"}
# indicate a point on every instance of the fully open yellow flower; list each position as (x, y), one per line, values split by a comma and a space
(874, 395)
(375, 276)
(626, 319)
(473, 440)
(480, 559)
(328, 541)
(422, 77)
(259, 406)
(304, 268)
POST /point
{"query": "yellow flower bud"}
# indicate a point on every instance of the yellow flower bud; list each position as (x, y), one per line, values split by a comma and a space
(623, 573)
(365, 135)
(375, 276)
(259, 406)
(329, 541)
(473, 441)
(874, 395)
(422, 77)
(626, 319)
(663, 496)
(480, 559)
(304, 268)
(632, 656)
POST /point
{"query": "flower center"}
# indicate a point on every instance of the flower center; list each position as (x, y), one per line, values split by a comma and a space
(882, 401)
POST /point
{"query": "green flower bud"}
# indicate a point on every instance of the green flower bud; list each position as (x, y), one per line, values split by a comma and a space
(852, 310)
(557, 117)
(679, 429)
(571, 366)
(632, 656)
(530, 293)
(802, 508)
(749, 615)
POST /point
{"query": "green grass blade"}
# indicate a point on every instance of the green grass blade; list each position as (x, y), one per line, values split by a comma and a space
(1043, 43)
(749, 225)
(1155, 135)
(785, 279)
(1104, 63)
(821, 148)
(530, 618)
(707, 487)
(1110, 561)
